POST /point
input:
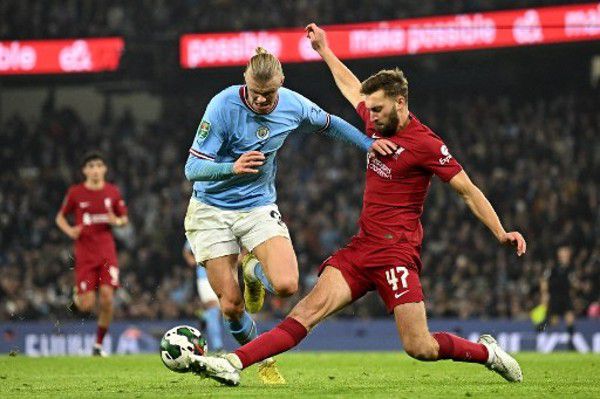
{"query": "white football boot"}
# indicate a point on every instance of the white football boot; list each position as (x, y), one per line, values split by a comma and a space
(500, 361)
(216, 367)
(98, 351)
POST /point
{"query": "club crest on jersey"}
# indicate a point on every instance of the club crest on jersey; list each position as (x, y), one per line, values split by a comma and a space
(203, 130)
(262, 132)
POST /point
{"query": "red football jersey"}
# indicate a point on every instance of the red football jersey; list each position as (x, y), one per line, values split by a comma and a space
(396, 187)
(91, 211)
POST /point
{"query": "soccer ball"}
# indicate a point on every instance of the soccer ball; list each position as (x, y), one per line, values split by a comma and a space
(177, 346)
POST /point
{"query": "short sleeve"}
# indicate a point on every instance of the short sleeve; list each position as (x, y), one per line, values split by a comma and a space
(314, 119)
(120, 207)
(436, 157)
(363, 112)
(210, 134)
(68, 204)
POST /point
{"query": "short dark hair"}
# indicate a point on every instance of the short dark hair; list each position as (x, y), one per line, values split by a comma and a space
(92, 156)
(392, 81)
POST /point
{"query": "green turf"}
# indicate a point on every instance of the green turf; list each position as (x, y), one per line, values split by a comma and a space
(344, 375)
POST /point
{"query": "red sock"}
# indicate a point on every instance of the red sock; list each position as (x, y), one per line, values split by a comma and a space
(100, 333)
(459, 349)
(283, 337)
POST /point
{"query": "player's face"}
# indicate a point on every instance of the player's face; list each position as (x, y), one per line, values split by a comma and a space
(94, 170)
(262, 95)
(383, 111)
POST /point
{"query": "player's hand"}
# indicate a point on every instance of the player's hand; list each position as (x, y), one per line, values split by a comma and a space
(113, 219)
(249, 163)
(515, 239)
(75, 231)
(317, 37)
(384, 147)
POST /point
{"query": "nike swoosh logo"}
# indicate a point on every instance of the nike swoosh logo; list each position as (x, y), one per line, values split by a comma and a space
(400, 294)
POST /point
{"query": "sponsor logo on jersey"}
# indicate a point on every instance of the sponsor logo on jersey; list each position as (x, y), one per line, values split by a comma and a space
(378, 167)
(89, 219)
(203, 130)
(262, 132)
(398, 295)
(446, 153)
(84, 204)
(397, 153)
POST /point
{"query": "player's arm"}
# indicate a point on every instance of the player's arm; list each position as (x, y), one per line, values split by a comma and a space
(201, 164)
(544, 290)
(345, 80)
(117, 212)
(117, 221)
(61, 221)
(339, 129)
(481, 207)
(200, 169)
(319, 121)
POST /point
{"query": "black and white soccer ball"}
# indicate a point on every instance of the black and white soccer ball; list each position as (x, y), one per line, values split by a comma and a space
(178, 345)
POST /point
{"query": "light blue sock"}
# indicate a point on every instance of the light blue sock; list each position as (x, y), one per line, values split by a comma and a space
(260, 274)
(244, 329)
(214, 328)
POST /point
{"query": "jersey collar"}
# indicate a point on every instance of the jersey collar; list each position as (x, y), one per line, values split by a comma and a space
(245, 101)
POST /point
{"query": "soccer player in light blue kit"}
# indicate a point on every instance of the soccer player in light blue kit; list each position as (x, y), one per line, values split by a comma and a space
(211, 313)
(232, 164)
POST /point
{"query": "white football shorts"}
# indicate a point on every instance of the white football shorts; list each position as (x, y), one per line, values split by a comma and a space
(214, 232)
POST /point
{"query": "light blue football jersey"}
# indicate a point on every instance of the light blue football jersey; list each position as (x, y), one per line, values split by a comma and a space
(230, 128)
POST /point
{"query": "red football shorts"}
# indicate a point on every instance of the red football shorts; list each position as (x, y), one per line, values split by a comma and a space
(396, 284)
(90, 275)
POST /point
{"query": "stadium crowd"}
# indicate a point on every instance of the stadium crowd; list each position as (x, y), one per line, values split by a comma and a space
(27, 19)
(537, 160)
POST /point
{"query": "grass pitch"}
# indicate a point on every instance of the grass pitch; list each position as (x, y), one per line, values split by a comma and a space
(323, 375)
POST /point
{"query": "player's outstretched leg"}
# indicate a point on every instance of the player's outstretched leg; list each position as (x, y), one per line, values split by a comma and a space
(500, 361)
(420, 344)
(329, 295)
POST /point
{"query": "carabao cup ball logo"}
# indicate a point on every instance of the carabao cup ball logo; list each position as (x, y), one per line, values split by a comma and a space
(262, 132)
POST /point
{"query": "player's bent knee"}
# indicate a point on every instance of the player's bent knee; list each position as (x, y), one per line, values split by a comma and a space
(86, 305)
(286, 287)
(421, 350)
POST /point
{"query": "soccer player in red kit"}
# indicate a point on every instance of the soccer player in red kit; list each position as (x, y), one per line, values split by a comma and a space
(97, 206)
(385, 254)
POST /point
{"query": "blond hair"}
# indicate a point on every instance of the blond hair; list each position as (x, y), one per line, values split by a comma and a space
(392, 81)
(263, 66)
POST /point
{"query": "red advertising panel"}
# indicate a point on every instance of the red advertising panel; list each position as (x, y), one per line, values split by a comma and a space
(533, 26)
(60, 56)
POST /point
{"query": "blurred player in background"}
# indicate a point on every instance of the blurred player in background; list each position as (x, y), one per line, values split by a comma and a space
(556, 292)
(211, 313)
(232, 163)
(97, 207)
(385, 254)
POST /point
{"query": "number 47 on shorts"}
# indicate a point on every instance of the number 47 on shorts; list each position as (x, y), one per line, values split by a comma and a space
(392, 278)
